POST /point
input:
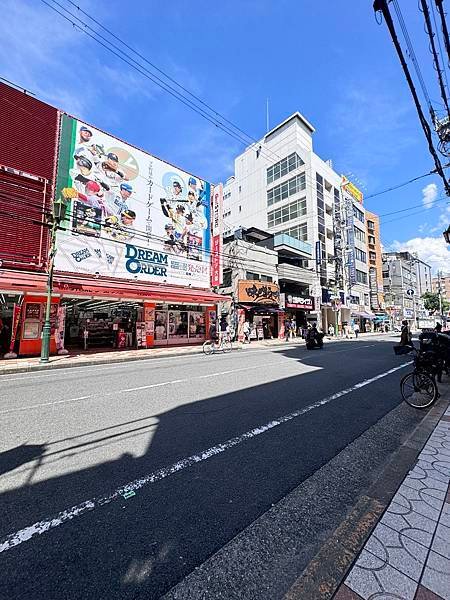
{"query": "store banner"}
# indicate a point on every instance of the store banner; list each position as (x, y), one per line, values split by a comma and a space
(299, 302)
(351, 264)
(217, 230)
(17, 310)
(129, 214)
(258, 292)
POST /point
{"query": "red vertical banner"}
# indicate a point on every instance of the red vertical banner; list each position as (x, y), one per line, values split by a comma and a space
(217, 229)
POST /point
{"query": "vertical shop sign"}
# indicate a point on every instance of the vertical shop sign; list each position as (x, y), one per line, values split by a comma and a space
(217, 227)
(351, 244)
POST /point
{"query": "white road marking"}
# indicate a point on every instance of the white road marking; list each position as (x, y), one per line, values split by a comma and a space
(27, 376)
(25, 534)
(142, 387)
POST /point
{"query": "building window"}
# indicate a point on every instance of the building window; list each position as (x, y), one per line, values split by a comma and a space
(284, 190)
(360, 235)
(286, 213)
(360, 255)
(361, 277)
(371, 225)
(226, 280)
(358, 214)
(257, 277)
(252, 276)
(371, 240)
(283, 167)
(299, 232)
(373, 255)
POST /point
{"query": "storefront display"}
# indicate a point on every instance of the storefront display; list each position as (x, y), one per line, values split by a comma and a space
(176, 326)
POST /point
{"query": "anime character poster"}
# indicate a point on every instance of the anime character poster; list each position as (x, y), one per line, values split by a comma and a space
(130, 215)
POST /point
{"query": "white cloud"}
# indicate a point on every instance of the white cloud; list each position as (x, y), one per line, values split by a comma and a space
(432, 250)
(429, 195)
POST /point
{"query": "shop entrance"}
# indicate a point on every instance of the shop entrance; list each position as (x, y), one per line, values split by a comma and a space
(179, 324)
(8, 302)
(103, 324)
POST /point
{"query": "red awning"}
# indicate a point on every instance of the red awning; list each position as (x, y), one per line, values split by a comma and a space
(75, 285)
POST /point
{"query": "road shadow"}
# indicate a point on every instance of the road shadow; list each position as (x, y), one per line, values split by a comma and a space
(140, 546)
(21, 455)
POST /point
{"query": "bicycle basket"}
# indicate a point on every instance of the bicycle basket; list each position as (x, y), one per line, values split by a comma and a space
(401, 350)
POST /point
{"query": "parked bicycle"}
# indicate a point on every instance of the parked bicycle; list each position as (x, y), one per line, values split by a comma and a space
(224, 344)
(419, 388)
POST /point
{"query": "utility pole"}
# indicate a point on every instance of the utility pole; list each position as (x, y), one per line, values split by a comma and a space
(439, 274)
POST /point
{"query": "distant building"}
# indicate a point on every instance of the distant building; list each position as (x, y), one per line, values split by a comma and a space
(375, 261)
(444, 283)
(405, 280)
(282, 186)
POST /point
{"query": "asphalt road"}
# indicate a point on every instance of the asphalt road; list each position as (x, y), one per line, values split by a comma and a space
(117, 481)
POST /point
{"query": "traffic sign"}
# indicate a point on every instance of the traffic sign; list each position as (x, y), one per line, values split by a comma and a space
(410, 292)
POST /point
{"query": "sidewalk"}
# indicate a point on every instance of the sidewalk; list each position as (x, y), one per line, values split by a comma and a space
(81, 358)
(408, 554)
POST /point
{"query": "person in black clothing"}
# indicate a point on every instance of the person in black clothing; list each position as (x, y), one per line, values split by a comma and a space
(405, 337)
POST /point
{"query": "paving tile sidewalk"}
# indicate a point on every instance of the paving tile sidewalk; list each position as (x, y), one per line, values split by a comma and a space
(22, 365)
(408, 554)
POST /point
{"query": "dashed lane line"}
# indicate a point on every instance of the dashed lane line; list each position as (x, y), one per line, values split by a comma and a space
(41, 527)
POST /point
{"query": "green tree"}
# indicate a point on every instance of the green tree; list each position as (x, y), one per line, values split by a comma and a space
(431, 302)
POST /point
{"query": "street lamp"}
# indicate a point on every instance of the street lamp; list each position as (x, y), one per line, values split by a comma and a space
(58, 215)
(446, 234)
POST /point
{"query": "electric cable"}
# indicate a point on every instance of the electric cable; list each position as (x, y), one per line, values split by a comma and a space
(437, 66)
(440, 7)
(382, 5)
(108, 45)
(116, 37)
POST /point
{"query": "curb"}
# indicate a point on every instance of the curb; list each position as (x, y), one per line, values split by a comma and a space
(328, 569)
(110, 358)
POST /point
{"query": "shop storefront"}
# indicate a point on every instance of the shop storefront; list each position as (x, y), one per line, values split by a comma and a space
(299, 308)
(101, 314)
(363, 319)
(258, 303)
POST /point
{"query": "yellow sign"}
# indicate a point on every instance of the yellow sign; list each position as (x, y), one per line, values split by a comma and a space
(351, 189)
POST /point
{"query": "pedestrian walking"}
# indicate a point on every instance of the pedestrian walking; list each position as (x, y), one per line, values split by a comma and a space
(246, 331)
(356, 330)
(330, 330)
(287, 330)
(405, 337)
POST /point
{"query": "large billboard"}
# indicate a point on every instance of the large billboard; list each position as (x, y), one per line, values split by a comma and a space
(130, 215)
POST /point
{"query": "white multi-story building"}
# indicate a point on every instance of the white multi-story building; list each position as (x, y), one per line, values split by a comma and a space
(405, 278)
(282, 186)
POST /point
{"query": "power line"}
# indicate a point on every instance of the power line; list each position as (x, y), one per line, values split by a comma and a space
(413, 57)
(439, 44)
(129, 60)
(382, 5)
(400, 185)
(116, 37)
(440, 8)
(437, 66)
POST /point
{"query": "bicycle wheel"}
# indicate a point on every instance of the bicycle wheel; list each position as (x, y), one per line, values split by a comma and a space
(227, 346)
(419, 390)
(208, 347)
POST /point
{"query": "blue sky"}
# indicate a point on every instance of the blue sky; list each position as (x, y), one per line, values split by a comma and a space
(329, 60)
